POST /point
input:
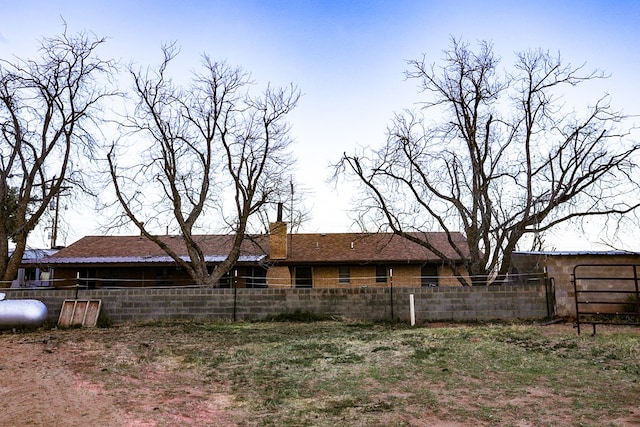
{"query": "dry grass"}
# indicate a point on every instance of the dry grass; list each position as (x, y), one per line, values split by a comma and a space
(355, 374)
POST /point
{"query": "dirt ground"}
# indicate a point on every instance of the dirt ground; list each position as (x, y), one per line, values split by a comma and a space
(80, 378)
(39, 387)
(49, 378)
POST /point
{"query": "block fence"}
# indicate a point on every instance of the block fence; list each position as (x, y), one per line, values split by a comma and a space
(502, 302)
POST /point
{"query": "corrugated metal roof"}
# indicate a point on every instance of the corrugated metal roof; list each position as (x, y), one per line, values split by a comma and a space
(144, 260)
(34, 254)
(575, 253)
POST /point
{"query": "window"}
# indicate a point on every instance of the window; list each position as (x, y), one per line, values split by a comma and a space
(381, 274)
(225, 281)
(303, 277)
(87, 278)
(344, 274)
(429, 275)
(257, 277)
(30, 274)
(163, 277)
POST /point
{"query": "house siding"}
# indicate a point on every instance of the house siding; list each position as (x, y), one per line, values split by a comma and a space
(278, 276)
(447, 278)
(404, 275)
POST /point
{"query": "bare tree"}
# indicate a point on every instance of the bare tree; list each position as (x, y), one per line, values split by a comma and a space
(47, 109)
(209, 146)
(497, 156)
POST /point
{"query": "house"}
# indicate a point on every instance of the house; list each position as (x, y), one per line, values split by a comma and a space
(33, 273)
(125, 261)
(278, 259)
(357, 259)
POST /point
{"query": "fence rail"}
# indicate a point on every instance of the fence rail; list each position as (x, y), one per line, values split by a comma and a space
(603, 298)
(249, 281)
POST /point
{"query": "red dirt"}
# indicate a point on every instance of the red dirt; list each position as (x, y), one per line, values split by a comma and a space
(76, 378)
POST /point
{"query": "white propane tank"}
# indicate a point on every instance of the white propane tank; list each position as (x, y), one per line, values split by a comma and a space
(21, 312)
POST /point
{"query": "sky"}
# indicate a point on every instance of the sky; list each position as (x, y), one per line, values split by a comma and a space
(347, 58)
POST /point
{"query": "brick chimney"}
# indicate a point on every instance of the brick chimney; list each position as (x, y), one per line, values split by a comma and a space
(278, 237)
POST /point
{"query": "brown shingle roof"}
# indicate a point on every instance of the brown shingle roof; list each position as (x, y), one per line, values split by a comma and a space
(140, 247)
(365, 248)
(303, 248)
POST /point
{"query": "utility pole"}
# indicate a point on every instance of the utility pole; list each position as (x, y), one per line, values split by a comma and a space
(55, 206)
(54, 228)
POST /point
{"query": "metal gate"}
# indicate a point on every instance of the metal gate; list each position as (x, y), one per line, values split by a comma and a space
(606, 294)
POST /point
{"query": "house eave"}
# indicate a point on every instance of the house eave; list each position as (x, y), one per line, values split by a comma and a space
(576, 253)
(135, 260)
(293, 262)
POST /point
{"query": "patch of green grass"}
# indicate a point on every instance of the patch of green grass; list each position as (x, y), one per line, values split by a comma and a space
(341, 373)
(298, 316)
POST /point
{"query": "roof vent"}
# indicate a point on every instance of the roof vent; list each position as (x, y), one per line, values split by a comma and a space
(351, 245)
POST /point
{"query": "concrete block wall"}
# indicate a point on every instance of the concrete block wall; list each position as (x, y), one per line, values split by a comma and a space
(560, 268)
(505, 302)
